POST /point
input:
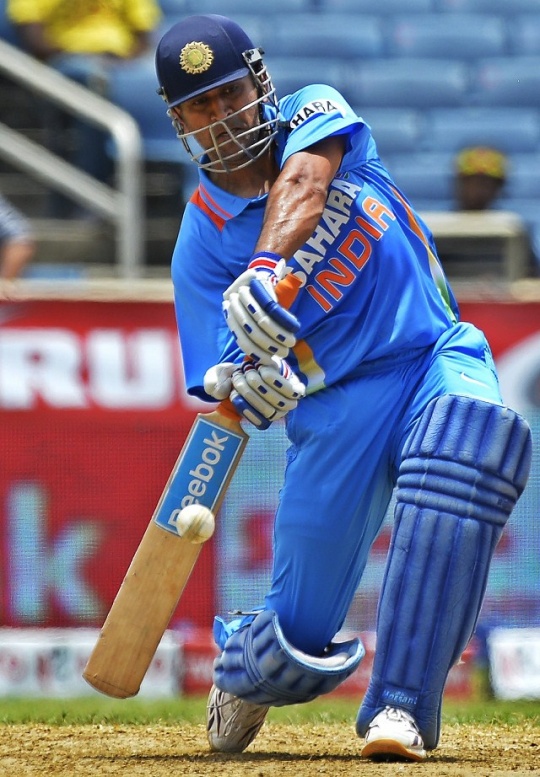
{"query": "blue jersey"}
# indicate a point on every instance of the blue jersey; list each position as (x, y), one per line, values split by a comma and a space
(372, 285)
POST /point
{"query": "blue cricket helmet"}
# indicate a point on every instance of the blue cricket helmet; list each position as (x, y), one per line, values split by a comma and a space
(205, 52)
(201, 53)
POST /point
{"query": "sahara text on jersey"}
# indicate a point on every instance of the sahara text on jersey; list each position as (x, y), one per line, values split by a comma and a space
(326, 286)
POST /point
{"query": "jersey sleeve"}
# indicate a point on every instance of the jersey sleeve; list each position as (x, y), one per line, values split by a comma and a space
(314, 113)
(199, 278)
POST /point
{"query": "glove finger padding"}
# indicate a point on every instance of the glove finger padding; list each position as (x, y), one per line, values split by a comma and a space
(269, 388)
(259, 323)
(283, 380)
(266, 393)
(250, 337)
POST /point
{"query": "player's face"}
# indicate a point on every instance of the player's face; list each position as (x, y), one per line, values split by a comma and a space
(223, 121)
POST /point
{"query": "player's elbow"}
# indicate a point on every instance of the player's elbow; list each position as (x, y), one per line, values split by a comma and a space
(300, 176)
(305, 192)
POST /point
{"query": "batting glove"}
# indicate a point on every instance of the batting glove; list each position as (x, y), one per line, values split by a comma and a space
(261, 393)
(218, 380)
(261, 326)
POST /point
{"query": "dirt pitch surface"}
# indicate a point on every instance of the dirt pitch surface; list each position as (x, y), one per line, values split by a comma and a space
(280, 749)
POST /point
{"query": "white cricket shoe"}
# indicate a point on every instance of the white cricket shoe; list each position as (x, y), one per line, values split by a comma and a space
(231, 723)
(393, 736)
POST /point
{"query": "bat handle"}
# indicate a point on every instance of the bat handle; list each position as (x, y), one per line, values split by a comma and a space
(227, 409)
(287, 290)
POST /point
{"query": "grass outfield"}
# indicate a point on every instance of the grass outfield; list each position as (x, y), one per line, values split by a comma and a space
(102, 710)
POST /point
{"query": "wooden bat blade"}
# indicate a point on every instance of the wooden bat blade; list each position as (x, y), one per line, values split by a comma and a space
(163, 562)
(140, 613)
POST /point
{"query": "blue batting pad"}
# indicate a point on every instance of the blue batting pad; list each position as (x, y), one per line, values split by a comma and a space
(259, 665)
(463, 470)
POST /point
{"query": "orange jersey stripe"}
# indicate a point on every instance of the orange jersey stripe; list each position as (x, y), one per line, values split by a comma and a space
(216, 218)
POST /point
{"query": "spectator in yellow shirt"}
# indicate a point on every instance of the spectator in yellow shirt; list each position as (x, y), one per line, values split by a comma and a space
(84, 40)
(112, 28)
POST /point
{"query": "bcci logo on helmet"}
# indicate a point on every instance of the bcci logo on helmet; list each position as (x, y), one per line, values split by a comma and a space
(196, 57)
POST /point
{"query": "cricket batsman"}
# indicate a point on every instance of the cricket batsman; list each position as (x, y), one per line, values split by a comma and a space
(381, 386)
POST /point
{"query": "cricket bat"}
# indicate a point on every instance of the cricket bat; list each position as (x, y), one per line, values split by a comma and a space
(163, 562)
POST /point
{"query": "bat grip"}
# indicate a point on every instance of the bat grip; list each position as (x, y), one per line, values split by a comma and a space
(287, 290)
(227, 409)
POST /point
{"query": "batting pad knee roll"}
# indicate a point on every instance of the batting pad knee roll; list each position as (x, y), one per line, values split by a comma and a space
(259, 665)
(463, 470)
(468, 458)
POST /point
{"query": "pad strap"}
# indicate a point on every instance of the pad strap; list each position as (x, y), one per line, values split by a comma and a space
(260, 666)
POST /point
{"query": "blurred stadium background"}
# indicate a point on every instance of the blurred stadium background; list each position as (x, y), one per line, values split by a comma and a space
(92, 407)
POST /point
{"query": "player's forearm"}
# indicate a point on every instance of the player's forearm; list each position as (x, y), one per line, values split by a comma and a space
(298, 197)
(14, 257)
(292, 214)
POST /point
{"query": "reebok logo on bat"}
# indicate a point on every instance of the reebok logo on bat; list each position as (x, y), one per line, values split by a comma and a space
(203, 473)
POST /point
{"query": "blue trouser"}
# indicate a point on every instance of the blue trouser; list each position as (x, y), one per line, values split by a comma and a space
(434, 422)
(346, 444)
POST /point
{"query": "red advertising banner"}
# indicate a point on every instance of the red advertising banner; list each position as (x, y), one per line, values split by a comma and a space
(505, 323)
(513, 331)
(92, 418)
(93, 414)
